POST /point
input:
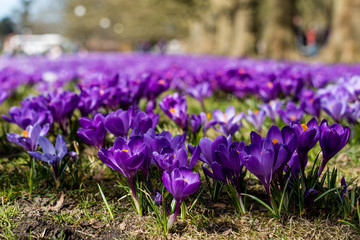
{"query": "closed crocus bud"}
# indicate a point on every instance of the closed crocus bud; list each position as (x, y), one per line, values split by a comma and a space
(332, 139)
(118, 123)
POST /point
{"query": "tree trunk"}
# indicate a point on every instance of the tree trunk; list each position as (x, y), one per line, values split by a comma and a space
(278, 36)
(244, 28)
(230, 27)
(343, 43)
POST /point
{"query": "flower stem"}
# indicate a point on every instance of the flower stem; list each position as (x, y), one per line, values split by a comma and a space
(172, 217)
(135, 198)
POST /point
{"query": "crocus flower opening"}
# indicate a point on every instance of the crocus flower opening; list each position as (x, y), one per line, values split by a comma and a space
(92, 131)
(335, 106)
(256, 118)
(181, 183)
(51, 155)
(291, 113)
(307, 137)
(29, 138)
(228, 121)
(175, 107)
(272, 108)
(332, 139)
(269, 155)
(126, 157)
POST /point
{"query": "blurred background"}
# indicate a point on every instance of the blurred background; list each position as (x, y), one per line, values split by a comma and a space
(321, 30)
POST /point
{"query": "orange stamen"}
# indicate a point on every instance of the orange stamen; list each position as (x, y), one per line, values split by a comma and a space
(208, 115)
(293, 117)
(161, 82)
(172, 110)
(275, 141)
(256, 112)
(125, 150)
(304, 127)
(25, 133)
(270, 84)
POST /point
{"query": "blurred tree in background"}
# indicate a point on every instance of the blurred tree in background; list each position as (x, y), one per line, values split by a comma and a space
(296, 29)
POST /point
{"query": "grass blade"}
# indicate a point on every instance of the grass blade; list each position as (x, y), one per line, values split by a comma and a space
(106, 203)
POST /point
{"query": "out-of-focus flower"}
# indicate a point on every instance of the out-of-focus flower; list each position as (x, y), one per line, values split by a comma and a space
(335, 106)
(92, 131)
(143, 121)
(272, 108)
(3, 96)
(256, 118)
(291, 113)
(62, 106)
(175, 107)
(228, 121)
(32, 111)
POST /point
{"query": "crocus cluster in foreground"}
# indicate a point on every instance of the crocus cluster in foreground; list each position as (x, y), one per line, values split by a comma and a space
(111, 89)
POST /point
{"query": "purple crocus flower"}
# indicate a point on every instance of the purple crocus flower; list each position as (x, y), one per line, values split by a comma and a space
(269, 155)
(91, 99)
(310, 103)
(62, 106)
(126, 157)
(227, 121)
(200, 92)
(332, 139)
(334, 106)
(143, 121)
(181, 183)
(307, 137)
(118, 123)
(170, 152)
(223, 156)
(175, 107)
(92, 131)
(352, 113)
(32, 111)
(3, 96)
(51, 155)
(196, 121)
(291, 113)
(344, 188)
(29, 140)
(256, 118)
(272, 108)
